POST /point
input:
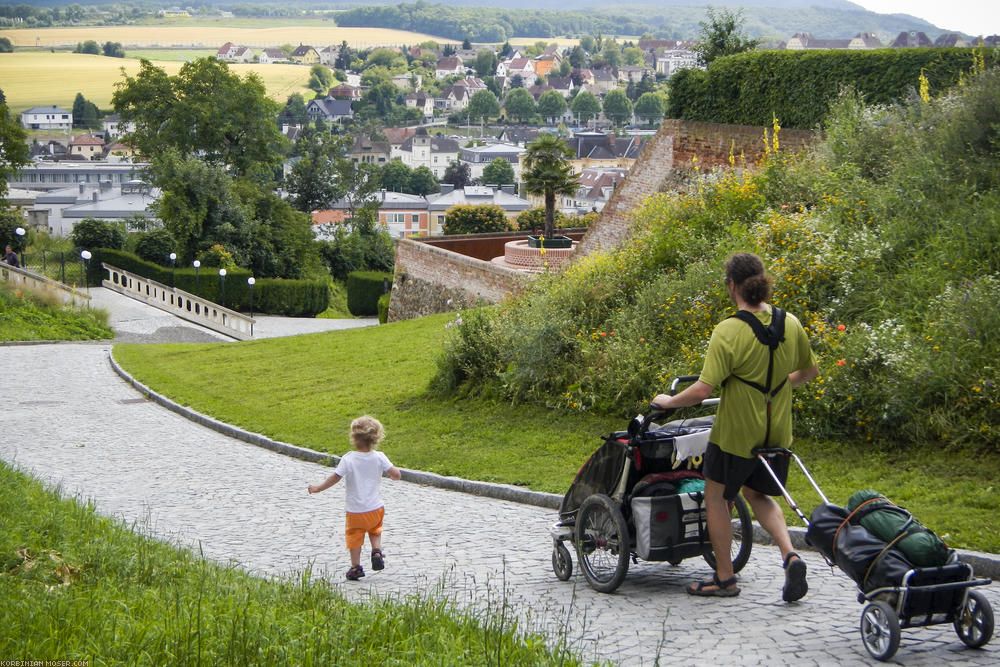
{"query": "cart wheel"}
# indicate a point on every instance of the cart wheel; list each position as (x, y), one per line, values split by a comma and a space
(974, 623)
(880, 630)
(562, 563)
(602, 543)
(742, 543)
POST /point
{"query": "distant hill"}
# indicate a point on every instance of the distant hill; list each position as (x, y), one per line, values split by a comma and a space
(488, 20)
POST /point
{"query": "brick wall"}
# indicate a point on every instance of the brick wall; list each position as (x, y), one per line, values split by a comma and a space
(432, 271)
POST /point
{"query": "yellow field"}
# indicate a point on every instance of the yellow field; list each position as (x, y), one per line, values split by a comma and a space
(30, 79)
(214, 36)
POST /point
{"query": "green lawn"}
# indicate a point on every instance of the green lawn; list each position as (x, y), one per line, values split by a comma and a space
(309, 388)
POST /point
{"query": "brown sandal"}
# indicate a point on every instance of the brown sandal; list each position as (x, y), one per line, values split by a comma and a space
(723, 589)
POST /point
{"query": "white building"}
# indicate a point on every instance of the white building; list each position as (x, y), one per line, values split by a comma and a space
(423, 150)
(60, 210)
(479, 157)
(670, 61)
(47, 118)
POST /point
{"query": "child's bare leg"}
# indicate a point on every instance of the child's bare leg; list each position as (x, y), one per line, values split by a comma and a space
(376, 541)
(355, 556)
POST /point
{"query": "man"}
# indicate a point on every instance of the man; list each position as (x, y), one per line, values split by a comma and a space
(748, 373)
(10, 257)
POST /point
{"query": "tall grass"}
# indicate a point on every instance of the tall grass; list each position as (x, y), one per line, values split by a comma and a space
(77, 586)
(28, 317)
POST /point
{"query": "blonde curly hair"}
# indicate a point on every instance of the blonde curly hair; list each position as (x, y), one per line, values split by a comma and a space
(367, 432)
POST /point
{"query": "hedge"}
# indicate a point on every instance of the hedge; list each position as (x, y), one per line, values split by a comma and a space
(363, 291)
(274, 296)
(798, 87)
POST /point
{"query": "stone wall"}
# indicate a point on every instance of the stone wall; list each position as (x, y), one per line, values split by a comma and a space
(667, 163)
(428, 275)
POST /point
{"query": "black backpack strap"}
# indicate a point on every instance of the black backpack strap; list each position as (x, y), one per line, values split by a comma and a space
(771, 336)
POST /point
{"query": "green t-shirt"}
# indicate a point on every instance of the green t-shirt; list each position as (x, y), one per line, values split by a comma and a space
(741, 420)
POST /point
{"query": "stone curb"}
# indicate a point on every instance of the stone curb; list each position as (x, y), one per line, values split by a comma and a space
(985, 565)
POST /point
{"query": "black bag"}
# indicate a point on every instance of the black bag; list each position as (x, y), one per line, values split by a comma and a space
(823, 524)
(867, 560)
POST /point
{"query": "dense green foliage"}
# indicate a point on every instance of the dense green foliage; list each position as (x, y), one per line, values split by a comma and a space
(476, 219)
(13, 149)
(91, 233)
(82, 587)
(884, 241)
(25, 316)
(798, 87)
(364, 289)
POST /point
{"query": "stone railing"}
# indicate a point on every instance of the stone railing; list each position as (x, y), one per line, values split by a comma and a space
(180, 303)
(39, 284)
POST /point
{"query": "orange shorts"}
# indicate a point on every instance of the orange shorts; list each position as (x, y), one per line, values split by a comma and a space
(358, 524)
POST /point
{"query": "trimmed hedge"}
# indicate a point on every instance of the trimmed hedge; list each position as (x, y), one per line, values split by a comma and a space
(798, 87)
(364, 288)
(274, 296)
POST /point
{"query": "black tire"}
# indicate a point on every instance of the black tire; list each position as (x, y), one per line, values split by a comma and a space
(602, 543)
(742, 543)
(562, 562)
(880, 630)
(974, 623)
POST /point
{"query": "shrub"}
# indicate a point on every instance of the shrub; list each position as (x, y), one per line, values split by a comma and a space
(383, 308)
(155, 246)
(476, 219)
(364, 288)
(90, 234)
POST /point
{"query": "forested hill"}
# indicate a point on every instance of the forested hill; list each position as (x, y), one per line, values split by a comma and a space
(662, 19)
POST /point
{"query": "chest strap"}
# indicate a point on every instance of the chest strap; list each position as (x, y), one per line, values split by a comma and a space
(771, 336)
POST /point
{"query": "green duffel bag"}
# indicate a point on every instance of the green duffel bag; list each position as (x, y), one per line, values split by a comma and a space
(897, 526)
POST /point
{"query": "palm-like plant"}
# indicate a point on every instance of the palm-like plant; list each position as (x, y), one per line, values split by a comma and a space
(547, 172)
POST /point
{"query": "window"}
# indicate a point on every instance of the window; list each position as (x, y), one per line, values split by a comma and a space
(415, 218)
(397, 218)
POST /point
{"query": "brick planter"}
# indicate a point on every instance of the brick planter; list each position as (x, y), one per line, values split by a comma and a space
(520, 255)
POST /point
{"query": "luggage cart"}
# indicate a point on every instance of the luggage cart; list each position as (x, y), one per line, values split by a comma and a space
(923, 596)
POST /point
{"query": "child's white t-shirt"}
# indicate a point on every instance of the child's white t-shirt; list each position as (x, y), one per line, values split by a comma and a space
(362, 472)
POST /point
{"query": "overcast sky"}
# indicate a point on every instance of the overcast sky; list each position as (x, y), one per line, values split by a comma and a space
(973, 17)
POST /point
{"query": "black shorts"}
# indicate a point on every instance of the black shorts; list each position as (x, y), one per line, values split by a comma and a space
(734, 472)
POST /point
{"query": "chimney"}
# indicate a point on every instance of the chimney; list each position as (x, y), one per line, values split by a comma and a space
(94, 196)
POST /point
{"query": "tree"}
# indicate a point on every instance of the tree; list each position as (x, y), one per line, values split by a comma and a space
(89, 47)
(585, 106)
(113, 49)
(633, 55)
(155, 245)
(344, 57)
(650, 106)
(295, 109)
(534, 218)
(476, 219)
(483, 105)
(722, 35)
(423, 181)
(6, 46)
(14, 152)
(458, 174)
(204, 109)
(91, 233)
(617, 107)
(485, 63)
(551, 105)
(396, 176)
(578, 57)
(548, 172)
(498, 172)
(320, 79)
(313, 179)
(520, 104)
(466, 44)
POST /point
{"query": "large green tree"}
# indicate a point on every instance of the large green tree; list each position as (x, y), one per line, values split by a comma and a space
(205, 109)
(314, 181)
(585, 106)
(482, 106)
(498, 172)
(548, 172)
(650, 107)
(485, 63)
(320, 79)
(722, 35)
(617, 107)
(13, 150)
(520, 105)
(551, 105)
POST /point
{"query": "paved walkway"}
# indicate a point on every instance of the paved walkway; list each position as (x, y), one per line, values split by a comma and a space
(71, 421)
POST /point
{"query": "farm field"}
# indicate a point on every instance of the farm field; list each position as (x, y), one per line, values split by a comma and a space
(173, 36)
(40, 78)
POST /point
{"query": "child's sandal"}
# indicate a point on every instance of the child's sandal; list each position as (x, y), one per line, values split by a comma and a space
(355, 573)
(715, 588)
(378, 559)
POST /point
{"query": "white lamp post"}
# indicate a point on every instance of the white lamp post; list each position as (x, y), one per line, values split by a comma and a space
(222, 287)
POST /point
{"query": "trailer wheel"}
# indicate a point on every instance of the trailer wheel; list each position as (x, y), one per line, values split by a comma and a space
(739, 550)
(562, 562)
(974, 624)
(880, 630)
(602, 543)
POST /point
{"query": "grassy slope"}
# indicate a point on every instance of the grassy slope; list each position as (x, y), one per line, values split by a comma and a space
(308, 388)
(77, 586)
